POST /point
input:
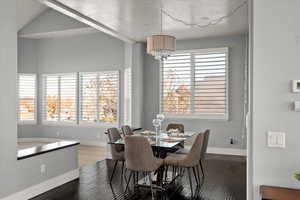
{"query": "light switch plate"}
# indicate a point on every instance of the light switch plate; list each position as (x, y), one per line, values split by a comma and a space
(276, 139)
(297, 106)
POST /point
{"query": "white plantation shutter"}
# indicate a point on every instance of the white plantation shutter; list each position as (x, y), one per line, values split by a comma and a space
(88, 97)
(68, 98)
(194, 83)
(60, 98)
(26, 98)
(99, 97)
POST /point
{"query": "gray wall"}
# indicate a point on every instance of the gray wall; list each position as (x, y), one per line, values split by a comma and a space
(50, 21)
(221, 130)
(80, 53)
(8, 69)
(276, 47)
(17, 175)
(137, 84)
(76, 53)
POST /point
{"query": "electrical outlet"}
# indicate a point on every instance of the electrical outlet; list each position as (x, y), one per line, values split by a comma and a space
(233, 140)
(43, 169)
(58, 133)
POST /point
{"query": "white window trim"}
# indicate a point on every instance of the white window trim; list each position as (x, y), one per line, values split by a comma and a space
(78, 123)
(43, 113)
(27, 122)
(99, 124)
(204, 116)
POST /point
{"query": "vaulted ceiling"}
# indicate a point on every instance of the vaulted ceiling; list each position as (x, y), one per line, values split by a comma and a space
(137, 19)
(27, 10)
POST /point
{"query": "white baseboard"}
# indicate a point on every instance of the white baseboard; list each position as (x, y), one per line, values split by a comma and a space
(227, 151)
(45, 186)
(83, 142)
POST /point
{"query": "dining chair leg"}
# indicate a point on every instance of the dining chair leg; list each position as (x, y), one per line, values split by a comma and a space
(127, 184)
(114, 169)
(122, 172)
(136, 179)
(198, 173)
(151, 186)
(166, 173)
(195, 175)
(125, 171)
(200, 162)
(190, 180)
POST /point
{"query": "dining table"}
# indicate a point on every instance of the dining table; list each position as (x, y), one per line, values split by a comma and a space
(162, 144)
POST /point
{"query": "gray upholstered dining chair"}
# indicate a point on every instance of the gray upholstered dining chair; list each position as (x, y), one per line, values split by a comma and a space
(139, 158)
(188, 161)
(126, 130)
(187, 149)
(179, 127)
(117, 151)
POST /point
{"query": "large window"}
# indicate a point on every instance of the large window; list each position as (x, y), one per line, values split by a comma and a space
(194, 84)
(60, 98)
(26, 98)
(99, 97)
(81, 98)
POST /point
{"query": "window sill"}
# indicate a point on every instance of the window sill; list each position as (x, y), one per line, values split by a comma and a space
(87, 125)
(27, 123)
(200, 117)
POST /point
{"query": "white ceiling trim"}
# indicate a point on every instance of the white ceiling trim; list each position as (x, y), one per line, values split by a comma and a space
(84, 19)
(63, 33)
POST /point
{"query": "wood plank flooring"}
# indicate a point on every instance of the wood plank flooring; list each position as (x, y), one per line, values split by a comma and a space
(90, 155)
(225, 180)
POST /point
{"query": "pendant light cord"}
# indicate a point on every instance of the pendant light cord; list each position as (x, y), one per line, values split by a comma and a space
(161, 21)
(211, 23)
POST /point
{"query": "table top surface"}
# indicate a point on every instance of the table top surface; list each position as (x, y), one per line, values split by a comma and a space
(164, 140)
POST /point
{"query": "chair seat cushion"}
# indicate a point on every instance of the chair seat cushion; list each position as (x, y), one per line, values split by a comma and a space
(174, 159)
(119, 156)
(183, 151)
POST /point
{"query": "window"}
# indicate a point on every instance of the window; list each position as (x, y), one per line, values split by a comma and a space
(194, 84)
(60, 98)
(99, 97)
(26, 98)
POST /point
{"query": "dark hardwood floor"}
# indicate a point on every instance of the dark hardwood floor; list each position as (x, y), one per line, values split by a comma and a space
(225, 180)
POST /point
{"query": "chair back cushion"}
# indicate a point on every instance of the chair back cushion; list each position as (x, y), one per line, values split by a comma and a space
(139, 155)
(126, 130)
(117, 151)
(205, 143)
(194, 155)
(179, 127)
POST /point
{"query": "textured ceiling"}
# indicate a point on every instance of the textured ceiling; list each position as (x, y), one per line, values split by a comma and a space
(27, 10)
(140, 18)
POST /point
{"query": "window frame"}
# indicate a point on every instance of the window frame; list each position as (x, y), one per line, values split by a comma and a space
(98, 124)
(78, 122)
(44, 102)
(27, 122)
(204, 116)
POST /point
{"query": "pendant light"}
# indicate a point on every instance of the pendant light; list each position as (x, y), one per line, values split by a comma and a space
(161, 46)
